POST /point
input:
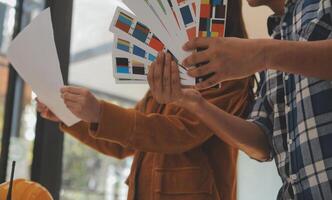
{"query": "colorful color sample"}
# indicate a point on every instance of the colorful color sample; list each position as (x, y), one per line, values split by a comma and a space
(123, 45)
(139, 51)
(186, 15)
(124, 22)
(156, 44)
(191, 32)
(122, 65)
(138, 68)
(134, 49)
(141, 32)
(218, 27)
(212, 18)
(138, 31)
(152, 58)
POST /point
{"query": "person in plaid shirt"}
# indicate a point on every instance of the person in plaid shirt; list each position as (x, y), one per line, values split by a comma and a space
(291, 120)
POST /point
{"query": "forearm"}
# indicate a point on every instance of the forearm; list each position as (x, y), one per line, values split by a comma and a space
(170, 132)
(235, 131)
(311, 59)
(80, 132)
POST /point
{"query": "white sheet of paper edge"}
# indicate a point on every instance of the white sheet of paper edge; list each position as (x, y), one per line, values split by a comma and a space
(34, 56)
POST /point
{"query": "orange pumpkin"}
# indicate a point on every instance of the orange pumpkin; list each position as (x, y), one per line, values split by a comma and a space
(25, 190)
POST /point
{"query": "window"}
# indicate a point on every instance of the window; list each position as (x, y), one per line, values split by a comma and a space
(88, 174)
(6, 27)
(257, 181)
(3, 87)
(24, 115)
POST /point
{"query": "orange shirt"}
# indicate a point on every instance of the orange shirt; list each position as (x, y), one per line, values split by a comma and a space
(176, 157)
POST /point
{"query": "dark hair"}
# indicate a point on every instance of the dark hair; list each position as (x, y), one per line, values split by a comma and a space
(235, 24)
(235, 28)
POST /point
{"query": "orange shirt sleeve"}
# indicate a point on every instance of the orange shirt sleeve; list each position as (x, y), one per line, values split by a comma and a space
(80, 131)
(174, 131)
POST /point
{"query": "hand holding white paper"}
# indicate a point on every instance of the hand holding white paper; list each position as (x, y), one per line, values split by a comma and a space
(34, 56)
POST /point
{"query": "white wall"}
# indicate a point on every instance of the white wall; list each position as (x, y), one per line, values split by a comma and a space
(256, 181)
(255, 20)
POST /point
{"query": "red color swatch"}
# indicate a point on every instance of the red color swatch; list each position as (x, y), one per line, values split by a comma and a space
(206, 11)
(218, 28)
(191, 33)
(122, 26)
(156, 44)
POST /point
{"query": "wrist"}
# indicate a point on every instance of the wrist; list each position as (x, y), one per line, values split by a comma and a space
(192, 102)
(270, 48)
(262, 54)
(98, 108)
(201, 105)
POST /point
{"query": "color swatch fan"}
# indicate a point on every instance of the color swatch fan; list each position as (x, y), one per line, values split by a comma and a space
(161, 25)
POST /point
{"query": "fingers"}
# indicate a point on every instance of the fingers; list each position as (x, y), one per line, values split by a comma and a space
(197, 43)
(175, 84)
(196, 58)
(45, 115)
(158, 73)
(167, 76)
(45, 112)
(75, 95)
(73, 106)
(74, 90)
(150, 77)
(203, 70)
(70, 97)
(40, 107)
(48, 114)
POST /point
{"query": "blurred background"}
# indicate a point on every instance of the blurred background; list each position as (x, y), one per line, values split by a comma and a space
(69, 169)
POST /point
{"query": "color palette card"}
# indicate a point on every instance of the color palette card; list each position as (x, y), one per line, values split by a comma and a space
(135, 42)
(125, 23)
(147, 16)
(185, 11)
(137, 51)
(161, 25)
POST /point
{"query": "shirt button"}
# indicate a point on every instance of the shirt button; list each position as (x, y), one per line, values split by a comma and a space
(284, 24)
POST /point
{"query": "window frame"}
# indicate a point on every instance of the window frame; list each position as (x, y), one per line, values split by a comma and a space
(46, 166)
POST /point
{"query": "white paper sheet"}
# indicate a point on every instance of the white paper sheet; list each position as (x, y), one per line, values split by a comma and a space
(34, 56)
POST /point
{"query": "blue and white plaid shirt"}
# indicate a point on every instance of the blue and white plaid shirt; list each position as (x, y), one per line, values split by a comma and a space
(296, 111)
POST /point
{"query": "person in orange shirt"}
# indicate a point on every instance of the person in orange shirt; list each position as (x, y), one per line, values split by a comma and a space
(176, 156)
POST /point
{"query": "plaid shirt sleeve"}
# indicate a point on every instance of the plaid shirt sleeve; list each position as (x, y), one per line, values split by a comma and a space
(262, 115)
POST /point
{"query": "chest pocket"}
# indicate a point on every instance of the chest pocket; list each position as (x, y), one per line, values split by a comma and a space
(191, 183)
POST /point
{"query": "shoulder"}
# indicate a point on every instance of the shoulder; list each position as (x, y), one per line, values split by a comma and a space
(309, 10)
(312, 19)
